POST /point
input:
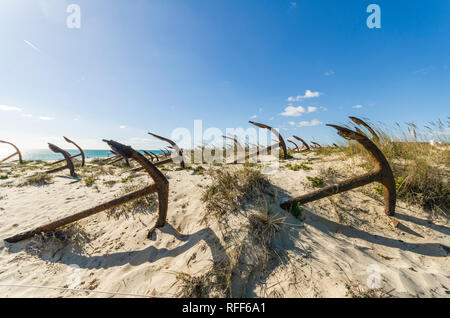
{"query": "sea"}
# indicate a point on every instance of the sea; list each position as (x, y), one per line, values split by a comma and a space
(48, 155)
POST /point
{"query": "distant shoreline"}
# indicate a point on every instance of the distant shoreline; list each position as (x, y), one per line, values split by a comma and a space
(48, 155)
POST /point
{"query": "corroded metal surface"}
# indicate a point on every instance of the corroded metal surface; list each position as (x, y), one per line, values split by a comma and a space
(293, 143)
(303, 142)
(74, 156)
(178, 151)
(14, 154)
(381, 173)
(359, 121)
(160, 186)
(69, 164)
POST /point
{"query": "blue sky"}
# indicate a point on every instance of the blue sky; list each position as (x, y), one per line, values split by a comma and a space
(155, 65)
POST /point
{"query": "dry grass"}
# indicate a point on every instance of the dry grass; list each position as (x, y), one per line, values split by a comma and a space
(230, 189)
(38, 179)
(248, 235)
(421, 170)
(72, 236)
(143, 205)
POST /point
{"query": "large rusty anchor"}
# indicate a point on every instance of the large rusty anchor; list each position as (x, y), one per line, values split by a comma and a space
(363, 123)
(74, 156)
(14, 154)
(303, 142)
(67, 158)
(160, 186)
(381, 173)
(281, 142)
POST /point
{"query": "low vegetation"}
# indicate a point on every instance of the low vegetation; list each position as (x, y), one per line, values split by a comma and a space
(37, 179)
(143, 205)
(421, 169)
(230, 189)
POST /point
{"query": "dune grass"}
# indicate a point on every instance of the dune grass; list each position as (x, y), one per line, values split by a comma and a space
(421, 168)
(230, 188)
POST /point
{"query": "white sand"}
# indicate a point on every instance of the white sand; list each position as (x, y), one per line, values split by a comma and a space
(345, 240)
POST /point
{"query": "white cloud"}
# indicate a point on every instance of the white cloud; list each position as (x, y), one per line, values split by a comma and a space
(357, 106)
(311, 123)
(308, 94)
(292, 111)
(291, 123)
(34, 47)
(27, 115)
(311, 109)
(46, 118)
(272, 118)
(329, 73)
(7, 108)
(122, 127)
(293, 4)
(253, 117)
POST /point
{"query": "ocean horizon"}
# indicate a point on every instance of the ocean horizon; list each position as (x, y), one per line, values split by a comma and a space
(48, 155)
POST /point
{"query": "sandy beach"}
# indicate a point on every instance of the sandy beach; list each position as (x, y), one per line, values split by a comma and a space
(341, 246)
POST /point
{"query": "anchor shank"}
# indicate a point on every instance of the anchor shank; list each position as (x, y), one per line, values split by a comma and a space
(332, 189)
(83, 214)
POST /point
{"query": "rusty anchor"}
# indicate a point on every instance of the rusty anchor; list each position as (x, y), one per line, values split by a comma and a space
(303, 142)
(160, 186)
(151, 155)
(179, 158)
(381, 173)
(14, 154)
(67, 158)
(296, 146)
(367, 126)
(74, 156)
(280, 143)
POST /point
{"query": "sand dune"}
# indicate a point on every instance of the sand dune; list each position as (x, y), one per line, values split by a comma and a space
(340, 246)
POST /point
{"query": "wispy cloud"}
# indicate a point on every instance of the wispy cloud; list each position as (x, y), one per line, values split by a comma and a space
(7, 108)
(293, 4)
(329, 73)
(253, 117)
(122, 126)
(311, 123)
(46, 118)
(308, 94)
(291, 123)
(34, 47)
(357, 106)
(423, 71)
(27, 115)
